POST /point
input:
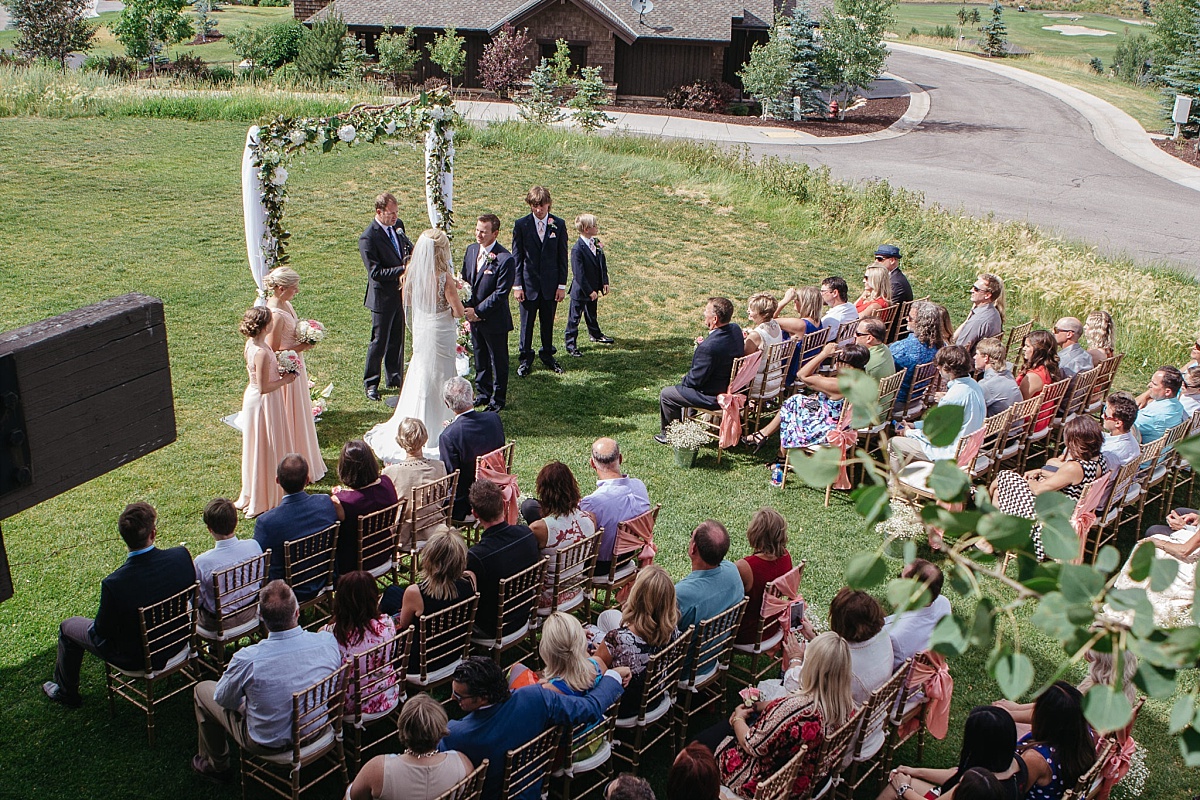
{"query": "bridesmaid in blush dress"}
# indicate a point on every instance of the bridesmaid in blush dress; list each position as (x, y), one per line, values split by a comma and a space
(282, 284)
(264, 442)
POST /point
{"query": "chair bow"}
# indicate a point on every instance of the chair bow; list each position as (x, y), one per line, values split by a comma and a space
(732, 401)
(495, 470)
(843, 437)
(637, 533)
(966, 455)
(1084, 516)
(1118, 764)
(931, 673)
(774, 605)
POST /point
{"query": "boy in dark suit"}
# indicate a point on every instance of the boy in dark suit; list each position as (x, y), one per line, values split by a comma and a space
(540, 279)
(488, 268)
(711, 365)
(589, 270)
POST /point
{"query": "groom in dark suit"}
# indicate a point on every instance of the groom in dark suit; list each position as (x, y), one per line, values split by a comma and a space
(540, 283)
(711, 365)
(385, 251)
(488, 267)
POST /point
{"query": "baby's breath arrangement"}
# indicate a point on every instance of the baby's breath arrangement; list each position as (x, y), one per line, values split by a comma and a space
(686, 434)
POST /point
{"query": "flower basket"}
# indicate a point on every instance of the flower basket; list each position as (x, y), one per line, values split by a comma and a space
(685, 457)
(686, 436)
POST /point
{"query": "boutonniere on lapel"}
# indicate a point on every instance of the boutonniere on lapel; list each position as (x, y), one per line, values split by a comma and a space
(551, 227)
(490, 258)
(597, 245)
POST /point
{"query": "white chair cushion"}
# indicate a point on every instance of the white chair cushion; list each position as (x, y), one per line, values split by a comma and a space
(435, 676)
(311, 750)
(505, 641)
(702, 679)
(761, 647)
(229, 635)
(916, 475)
(594, 761)
(652, 715)
(173, 663)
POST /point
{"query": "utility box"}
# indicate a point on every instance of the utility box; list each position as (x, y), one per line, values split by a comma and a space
(1182, 110)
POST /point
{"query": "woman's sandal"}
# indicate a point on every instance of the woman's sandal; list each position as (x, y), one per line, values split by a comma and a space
(754, 440)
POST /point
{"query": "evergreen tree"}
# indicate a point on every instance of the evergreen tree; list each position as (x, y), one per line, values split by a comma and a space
(51, 29)
(321, 49)
(590, 94)
(1173, 32)
(784, 74)
(561, 68)
(352, 63)
(804, 73)
(205, 25)
(1183, 76)
(446, 50)
(540, 103)
(397, 56)
(995, 33)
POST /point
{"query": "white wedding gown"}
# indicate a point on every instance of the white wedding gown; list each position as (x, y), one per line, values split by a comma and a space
(434, 336)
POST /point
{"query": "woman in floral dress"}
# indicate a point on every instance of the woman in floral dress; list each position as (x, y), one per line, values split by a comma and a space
(563, 522)
(358, 626)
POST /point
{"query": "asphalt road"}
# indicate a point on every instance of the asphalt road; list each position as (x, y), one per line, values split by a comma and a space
(992, 145)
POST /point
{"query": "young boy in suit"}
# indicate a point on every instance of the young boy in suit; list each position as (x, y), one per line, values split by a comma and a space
(589, 271)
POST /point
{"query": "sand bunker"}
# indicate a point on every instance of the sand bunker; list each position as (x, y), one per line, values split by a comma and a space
(1063, 16)
(1077, 30)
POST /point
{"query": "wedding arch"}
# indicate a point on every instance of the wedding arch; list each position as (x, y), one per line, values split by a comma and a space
(271, 146)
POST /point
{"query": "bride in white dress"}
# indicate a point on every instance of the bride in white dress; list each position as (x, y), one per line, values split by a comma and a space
(431, 306)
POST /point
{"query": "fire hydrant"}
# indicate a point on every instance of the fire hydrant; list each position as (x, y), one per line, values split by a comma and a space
(833, 109)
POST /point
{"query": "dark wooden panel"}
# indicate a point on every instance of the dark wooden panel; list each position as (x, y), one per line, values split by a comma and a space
(652, 68)
(6, 587)
(95, 391)
(738, 53)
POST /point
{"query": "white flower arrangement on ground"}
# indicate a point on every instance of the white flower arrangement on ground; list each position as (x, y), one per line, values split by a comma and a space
(289, 362)
(320, 401)
(903, 524)
(309, 331)
(686, 435)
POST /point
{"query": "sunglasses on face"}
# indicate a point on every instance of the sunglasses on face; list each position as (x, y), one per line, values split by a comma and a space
(879, 258)
(977, 289)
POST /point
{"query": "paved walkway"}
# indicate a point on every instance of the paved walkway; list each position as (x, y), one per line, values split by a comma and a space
(993, 140)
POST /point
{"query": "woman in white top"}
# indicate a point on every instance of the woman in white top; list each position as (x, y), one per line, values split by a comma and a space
(858, 618)
(766, 332)
(563, 522)
(420, 772)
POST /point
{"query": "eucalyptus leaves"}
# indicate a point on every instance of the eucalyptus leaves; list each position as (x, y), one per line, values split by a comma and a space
(430, 115)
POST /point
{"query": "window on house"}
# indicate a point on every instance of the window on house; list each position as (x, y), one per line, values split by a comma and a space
(578, 53)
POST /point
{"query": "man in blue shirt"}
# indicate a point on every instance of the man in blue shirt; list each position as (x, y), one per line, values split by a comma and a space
(961, 390)
(499, 720)
(1162, 409)
(714, 584)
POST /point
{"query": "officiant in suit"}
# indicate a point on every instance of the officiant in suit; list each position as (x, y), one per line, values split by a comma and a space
(385, 251)
(589, 280)
(711, 364)
(540, 278)
(488, 268)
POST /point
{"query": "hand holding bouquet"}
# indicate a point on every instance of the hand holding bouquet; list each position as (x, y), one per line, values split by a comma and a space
(309, 331)
(289, 362)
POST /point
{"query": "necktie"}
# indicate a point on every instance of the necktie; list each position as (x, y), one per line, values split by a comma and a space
(592, 246)
(482, 257)
(395, 242)
(541, 226)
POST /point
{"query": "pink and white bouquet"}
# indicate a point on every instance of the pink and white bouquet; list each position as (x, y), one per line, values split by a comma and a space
(309, 331)
(320, 400)
(463, 341)
(289, 362)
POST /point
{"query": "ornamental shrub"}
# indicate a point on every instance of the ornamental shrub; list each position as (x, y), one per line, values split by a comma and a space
(590, 94)
(505, 60)
(711, 97)
(116, 66)
(1133, 58)
(540, 102)
(321, 48)
(281, 42)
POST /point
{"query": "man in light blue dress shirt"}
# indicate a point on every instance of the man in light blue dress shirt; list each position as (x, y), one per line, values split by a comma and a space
(961, 390)
(1120, 445)
(1072, 358)
(221, 518)
(253, 700)
(1162, 409)
(617, 498)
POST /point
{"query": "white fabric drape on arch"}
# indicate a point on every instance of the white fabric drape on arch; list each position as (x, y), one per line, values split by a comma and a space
(445, 176)
(253, 212)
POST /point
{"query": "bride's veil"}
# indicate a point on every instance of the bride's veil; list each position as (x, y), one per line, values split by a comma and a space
(421, 277)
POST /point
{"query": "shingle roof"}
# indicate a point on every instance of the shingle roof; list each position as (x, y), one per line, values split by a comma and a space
(706, 20)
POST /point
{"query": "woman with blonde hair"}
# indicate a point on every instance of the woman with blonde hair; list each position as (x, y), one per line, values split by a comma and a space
(648, 623)
(263, 418)
(1101, 336)
(431, 306)
(876, 294)
(563, 648)
(282, 284)
(760, 309)
(768, 538)
(420, 772)
(414, 470)
(747, 752)
(444, 582)
(807, 302)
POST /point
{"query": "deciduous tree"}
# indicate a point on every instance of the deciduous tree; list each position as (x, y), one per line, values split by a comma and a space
(852, 51)
(447, 51)
(397, 56)
(51, 29)
(147, 27)
(505, 60)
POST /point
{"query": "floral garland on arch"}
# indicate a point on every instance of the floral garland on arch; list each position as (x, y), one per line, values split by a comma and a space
(430, 114)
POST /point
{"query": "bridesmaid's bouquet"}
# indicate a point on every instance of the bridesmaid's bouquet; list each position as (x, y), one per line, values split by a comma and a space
(289, 362)
(309, 331)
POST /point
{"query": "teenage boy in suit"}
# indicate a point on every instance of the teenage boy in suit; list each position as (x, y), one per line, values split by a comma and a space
(540, 249)
(488, 268)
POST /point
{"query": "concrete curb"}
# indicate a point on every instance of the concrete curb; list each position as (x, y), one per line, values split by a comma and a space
(1115, 130)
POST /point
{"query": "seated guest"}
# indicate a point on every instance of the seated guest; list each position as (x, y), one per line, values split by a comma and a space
(1189, 393)
(888, 257)
(925, 324)
(1161, 409)
(298, 514)
(1071, 473)
(147, 576)
(220, 517)
(833, 294)
(444, 582)
(910, 631)
(498, 720)
(1101, 337)
(557, 521)
(978, 783)
(1060, 747)
(758, 741)
(564, 651)
(414, 470)
(503, 551)
(766, 333)
(712, 363)
(858, 618)
(642, 627)
(947, 323)
(1178, 540)
(714, 584)
(1039, 359)
(806, 419)
(989, 741)
(876, 294)
(358, 626)
(986, 318)
(1072, 358)
(253, 700)
(871, 334)
(807, 302)
(1120, 445)
(1000, 389)
(363, 491)
(617, 498)
(471, 434)
(910, 442)
(694, 775)
(628, 787)
(769, 560)
(1101, 671)
(420, 772)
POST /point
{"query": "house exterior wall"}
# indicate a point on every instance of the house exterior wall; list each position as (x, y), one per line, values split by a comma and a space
(565, 20)
(652, 68)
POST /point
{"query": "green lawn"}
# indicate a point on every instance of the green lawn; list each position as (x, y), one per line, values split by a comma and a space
(156, 208)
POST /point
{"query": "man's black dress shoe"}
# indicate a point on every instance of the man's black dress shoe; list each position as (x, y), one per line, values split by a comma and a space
(661, 438)
(602, 339)
(575, 353)
(482, 401)
(373, 393)
(554, 366)
(494, 407)
(60, 696)
(523, 370)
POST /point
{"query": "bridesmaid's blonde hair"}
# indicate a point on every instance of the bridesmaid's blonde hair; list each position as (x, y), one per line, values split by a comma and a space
(281, 278)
